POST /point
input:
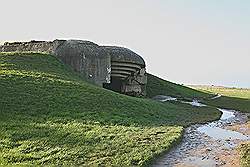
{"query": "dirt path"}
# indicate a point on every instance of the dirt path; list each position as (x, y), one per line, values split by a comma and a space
(210, 145)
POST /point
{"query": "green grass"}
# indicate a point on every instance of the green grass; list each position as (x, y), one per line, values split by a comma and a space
(239, 104)
(244, 150)
(50, 116)
(158, 86)
(230, 92)
(232, 98)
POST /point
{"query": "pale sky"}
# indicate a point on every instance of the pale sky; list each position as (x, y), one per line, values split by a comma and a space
(184, 41)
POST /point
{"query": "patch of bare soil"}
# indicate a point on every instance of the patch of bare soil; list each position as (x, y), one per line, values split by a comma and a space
(242, 128)
(201, 150)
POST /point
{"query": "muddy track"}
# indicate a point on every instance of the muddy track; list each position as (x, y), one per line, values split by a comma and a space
(210, 145)
(202, 149)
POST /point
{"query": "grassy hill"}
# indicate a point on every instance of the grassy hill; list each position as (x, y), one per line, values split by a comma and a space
(50, 116)
(232, 98)
(158, 86)
(225, 91)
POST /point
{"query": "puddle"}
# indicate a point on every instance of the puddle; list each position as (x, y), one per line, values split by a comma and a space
(163, 98)
(226, 114)
(222, 134)
(216, 97)
(217, 133)
(208, 145)
(195, 103)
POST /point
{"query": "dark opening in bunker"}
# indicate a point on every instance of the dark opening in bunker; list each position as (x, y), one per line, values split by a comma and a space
(127, 74)
(114, 85)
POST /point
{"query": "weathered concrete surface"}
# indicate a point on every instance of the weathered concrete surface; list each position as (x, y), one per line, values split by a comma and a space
(115, 68)
(121, 54)
(32, 46)
(87, 58)
(129, 68)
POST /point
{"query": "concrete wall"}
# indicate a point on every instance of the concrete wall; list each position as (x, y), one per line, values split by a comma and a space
(98, 64)
(32, 46)
(84, 57)
(87, 58)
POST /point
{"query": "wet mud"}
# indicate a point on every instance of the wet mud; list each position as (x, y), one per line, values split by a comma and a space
(210, 145)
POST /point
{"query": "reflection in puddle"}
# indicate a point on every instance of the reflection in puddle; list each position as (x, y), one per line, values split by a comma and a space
(206, 145)
(226, 114)
(219, 133)
(216, 97)
(195, 103)
(216, 132)
(164, 98)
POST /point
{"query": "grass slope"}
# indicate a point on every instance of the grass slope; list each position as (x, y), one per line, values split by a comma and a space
(51, 116)
(232, 98)
(231, 92)
(158, 86)
(244, 151)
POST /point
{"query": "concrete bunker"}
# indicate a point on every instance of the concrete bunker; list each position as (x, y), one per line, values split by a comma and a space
(87, 58)
(128, 74)
(115, 68)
